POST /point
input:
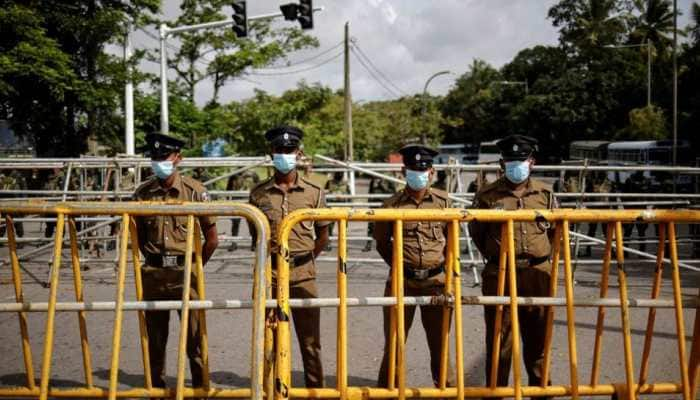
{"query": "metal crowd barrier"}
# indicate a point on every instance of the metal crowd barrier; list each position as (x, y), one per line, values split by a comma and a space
(689, 368)
(66, 214)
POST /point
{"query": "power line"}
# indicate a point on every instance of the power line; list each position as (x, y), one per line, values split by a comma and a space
(281, 73)
(369, 61)
(374, 76)
(307, 59)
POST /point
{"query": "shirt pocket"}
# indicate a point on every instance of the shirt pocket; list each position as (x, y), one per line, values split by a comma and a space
(151, 224)
(410, 228)
(437, 229)
(179, 228)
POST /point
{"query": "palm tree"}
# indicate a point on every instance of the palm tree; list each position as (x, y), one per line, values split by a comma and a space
(598, 23)
(695, 17)
(654, 24)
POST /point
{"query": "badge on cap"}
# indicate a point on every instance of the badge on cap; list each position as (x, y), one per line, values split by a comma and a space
(156, 144)
(515, 147)
(286, 136)
(417, 157)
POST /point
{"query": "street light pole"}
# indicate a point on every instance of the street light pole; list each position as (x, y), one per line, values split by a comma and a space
(424, 139)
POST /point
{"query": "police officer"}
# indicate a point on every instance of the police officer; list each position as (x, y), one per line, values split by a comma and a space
(162, 240)
(276, 197)
(424, 253)
(517, 190)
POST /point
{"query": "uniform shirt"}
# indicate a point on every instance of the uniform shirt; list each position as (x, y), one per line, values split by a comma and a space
(277, 204)
(423, 241)
(167, 235)
(531, 238)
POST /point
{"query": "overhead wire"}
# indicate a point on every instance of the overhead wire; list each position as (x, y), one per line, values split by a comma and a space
(306, 60)
(312, 67)
(362, 54)
(390, 91)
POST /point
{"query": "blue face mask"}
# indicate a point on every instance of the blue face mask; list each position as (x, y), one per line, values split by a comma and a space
(284, 163)
(417, 180)
(517, 171)
(163, 169)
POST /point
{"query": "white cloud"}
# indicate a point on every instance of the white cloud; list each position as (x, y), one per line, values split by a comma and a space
(408, 40)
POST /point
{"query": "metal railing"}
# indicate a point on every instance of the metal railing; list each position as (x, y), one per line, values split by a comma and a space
(66, 214)
(452, 302)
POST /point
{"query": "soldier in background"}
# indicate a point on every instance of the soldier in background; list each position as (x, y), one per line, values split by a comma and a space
(244, 181)
(377, 186)
(12, 180)
(335, 185)
(637, 183)
(598, 183)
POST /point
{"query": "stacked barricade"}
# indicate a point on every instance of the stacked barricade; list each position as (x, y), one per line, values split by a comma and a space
(65, 215)
(452, 302)
(271, 376)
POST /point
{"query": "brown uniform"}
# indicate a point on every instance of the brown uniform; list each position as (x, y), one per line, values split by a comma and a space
(162, 239)
(424, 259)
(532, 251)
(276, 204)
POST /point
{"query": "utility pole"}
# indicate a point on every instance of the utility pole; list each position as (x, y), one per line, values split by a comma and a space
(347, 125)
(128, 97)
(648, 73)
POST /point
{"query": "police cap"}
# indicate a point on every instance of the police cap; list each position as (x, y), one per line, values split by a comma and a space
(517, 147)
(416, 156)
(160, 145)
(284, 136)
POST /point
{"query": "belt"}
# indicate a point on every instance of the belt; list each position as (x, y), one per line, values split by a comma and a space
(296, 261)
(167, 261)
(522, 262)
(421, 274)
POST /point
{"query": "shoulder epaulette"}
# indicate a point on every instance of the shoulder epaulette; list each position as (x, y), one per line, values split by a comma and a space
(310, 183)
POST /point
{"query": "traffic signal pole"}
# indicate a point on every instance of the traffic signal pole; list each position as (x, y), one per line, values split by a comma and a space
(166, 31)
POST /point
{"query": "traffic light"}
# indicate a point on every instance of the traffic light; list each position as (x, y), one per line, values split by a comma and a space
(306, 14)
(302, 12)
(240, 19)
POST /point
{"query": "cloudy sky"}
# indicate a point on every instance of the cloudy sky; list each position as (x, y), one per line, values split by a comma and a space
(404, 41)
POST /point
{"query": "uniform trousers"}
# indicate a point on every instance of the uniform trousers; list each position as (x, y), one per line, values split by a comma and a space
(307, 325)
(166, 284)
(531, 282)
(431, 319)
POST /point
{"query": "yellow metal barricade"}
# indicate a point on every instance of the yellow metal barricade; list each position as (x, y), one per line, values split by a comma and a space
(261, 335)
(688, 365)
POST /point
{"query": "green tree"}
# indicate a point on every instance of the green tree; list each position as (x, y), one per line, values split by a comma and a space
(81, 84)
(475, 101)
(654, 25)
(588, 24)
(647, 123)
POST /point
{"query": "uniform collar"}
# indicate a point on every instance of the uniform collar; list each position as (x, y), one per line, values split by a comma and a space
(177, 184)
(529, 187)
(406, 196)
(298, 184)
